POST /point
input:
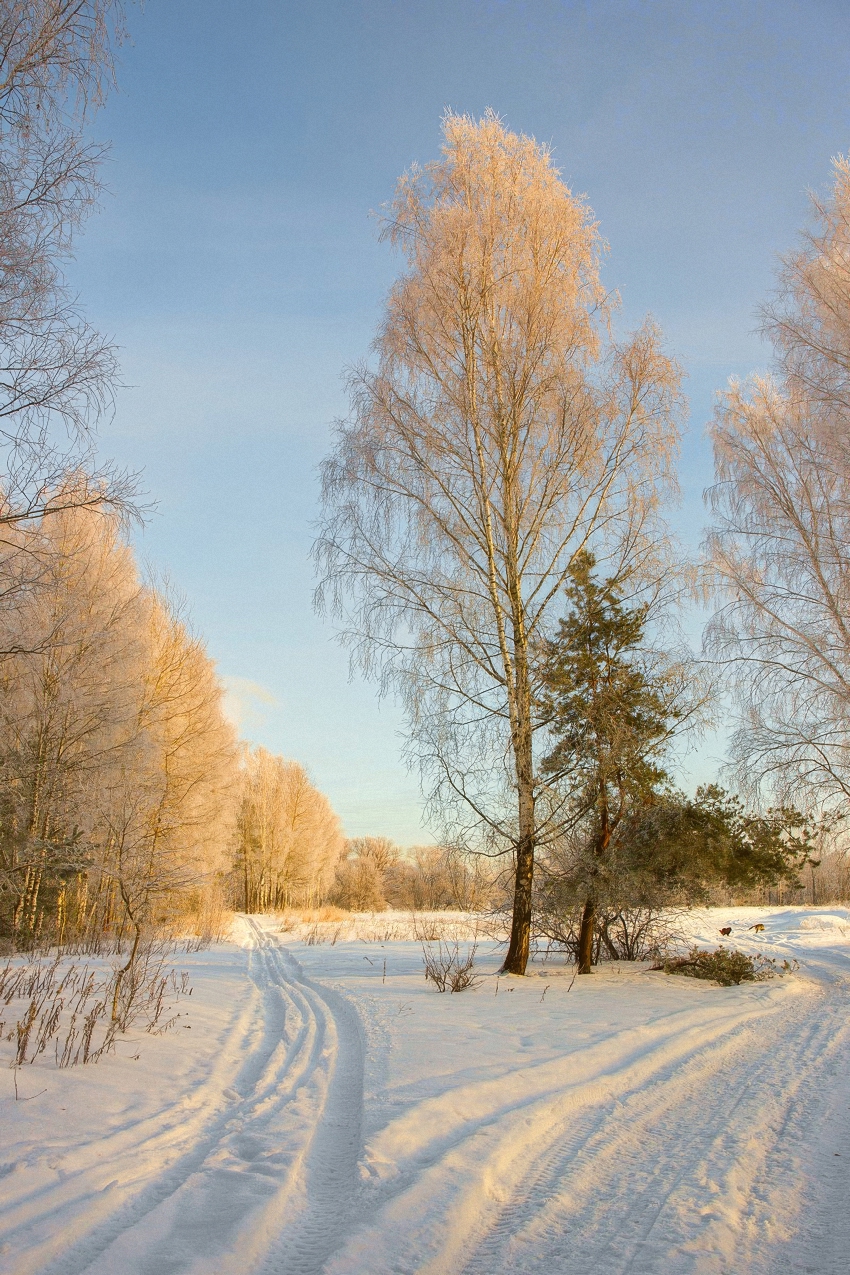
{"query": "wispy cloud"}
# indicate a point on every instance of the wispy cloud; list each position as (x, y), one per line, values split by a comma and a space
(246, 702)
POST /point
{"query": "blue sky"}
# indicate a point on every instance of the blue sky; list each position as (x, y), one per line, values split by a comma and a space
(235, 263)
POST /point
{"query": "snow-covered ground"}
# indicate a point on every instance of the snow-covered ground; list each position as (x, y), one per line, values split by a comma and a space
(320, 1108)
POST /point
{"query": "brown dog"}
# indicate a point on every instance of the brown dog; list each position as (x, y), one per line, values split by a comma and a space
(726, 931)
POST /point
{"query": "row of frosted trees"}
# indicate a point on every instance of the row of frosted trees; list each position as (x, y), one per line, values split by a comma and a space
(289, 841)
(125, 798)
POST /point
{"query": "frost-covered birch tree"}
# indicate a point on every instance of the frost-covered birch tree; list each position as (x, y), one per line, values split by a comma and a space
(68, 707)
(499, 431)
(56, 373)
(780, 544)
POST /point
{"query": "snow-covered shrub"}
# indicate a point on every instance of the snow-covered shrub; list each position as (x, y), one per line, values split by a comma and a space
(636, 933)
(144, 989)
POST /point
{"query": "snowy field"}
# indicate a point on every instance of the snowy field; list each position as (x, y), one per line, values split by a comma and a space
(320, 1108)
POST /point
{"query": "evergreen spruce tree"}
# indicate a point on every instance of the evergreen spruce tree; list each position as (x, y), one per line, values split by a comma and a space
(611, 711)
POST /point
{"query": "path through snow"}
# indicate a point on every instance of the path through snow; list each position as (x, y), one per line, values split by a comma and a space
(341, 1117)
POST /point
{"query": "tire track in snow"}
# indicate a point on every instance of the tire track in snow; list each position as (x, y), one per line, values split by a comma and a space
(331, 1177)
(678, 1159)
(252, 1175)
(676, 1177)
(451, 1166)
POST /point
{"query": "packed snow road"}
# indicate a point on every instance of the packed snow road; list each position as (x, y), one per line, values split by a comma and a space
(334, 1114)
(256, 1164)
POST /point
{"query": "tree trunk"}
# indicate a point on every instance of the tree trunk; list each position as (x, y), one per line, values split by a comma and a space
(121, 975)
(585, 937)
(518, 949)
(609, 946)
(588, 916)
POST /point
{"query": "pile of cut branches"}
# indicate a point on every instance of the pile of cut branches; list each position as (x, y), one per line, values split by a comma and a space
(728, 968)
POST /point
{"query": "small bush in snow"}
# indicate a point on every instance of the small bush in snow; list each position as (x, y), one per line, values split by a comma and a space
(728, 968)
(447, 968)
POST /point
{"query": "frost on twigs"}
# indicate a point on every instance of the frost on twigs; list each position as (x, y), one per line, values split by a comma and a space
(447, 968)
(728, 968)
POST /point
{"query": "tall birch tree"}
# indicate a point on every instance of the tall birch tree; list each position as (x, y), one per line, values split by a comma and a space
(57, 374)
(779, 544)
(499, 431)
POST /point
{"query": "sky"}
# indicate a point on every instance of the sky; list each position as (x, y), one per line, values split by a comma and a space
(235, 262)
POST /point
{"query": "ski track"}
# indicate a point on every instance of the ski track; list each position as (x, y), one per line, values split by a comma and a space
(251, 1173)
(712, 1140)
